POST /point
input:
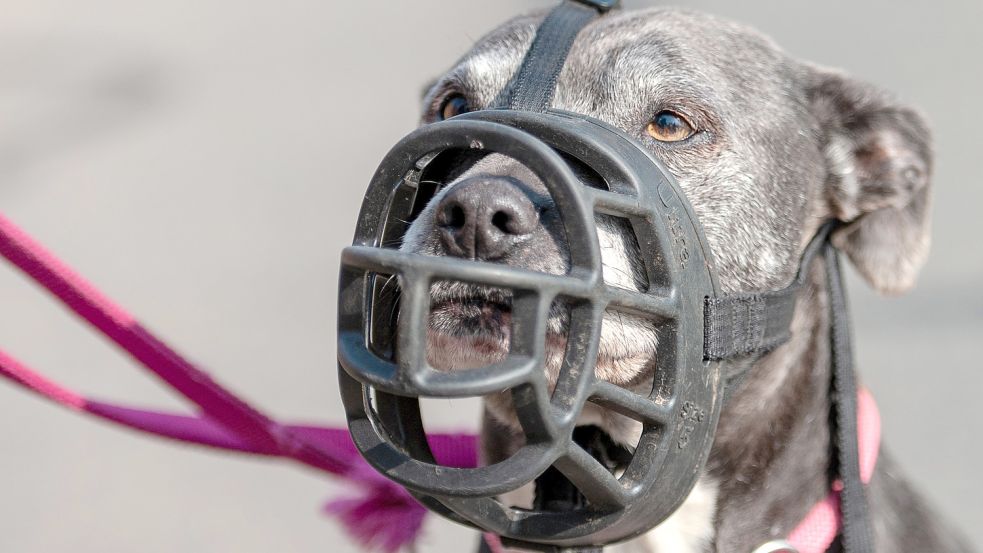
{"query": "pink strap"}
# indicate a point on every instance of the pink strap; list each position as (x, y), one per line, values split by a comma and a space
(493, 542)
(819, 528)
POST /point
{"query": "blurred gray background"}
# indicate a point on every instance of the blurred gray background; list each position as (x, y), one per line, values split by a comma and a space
(202, 162)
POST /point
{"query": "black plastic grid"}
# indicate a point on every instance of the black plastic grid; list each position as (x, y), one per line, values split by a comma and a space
(679, 415)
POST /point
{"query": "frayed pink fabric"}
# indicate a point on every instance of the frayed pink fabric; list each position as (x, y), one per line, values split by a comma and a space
(382, 516)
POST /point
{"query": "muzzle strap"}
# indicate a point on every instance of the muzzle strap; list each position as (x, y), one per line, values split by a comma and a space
(747, 324)
(742, 325)
(532, 87)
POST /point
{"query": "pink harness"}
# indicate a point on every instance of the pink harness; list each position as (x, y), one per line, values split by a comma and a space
(228, 423)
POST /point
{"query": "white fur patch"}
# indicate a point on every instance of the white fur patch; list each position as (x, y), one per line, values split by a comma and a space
(616, 258)
(688, 530)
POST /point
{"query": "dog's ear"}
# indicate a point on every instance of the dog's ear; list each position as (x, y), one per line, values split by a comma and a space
(879, 158)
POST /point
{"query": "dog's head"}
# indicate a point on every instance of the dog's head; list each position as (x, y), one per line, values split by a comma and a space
(765, 147)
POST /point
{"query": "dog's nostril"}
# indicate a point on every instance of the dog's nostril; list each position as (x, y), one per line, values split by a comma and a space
(455, 217)
(501, 221)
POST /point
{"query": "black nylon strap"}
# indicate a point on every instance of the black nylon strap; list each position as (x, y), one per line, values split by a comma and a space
(745, 324)
(533, 85)
(857, 534)
(754, 324)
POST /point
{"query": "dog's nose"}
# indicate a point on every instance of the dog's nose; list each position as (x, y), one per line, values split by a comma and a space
(485, 217)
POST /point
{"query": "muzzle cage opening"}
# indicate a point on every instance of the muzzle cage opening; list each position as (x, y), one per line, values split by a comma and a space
(381, 384)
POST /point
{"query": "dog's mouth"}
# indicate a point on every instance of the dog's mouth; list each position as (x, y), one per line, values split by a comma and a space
(472, 315)
(471, 312)
(554, 492)
(470, 326)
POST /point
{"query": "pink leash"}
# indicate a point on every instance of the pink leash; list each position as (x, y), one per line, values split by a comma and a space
(228, 423)
(225, 422)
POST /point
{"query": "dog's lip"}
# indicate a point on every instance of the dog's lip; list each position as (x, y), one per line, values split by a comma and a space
(471, 301)
(477, 316)
(441, 296)
(476, 301)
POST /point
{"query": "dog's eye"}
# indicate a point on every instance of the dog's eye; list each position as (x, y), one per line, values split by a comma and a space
(669, 126)
(455, 104)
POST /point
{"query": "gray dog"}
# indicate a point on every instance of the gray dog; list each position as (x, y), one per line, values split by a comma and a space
(766, 148)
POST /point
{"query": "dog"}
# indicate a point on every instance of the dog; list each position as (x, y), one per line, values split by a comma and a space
(766, 148)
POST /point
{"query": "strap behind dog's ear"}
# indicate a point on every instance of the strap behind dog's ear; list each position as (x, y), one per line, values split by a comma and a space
(736, 325)
(858, 532)
(533, 85)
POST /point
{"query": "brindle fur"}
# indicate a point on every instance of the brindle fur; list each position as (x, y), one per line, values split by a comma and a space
(782, 146)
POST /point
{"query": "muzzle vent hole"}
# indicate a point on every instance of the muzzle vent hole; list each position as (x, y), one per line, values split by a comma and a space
(622, 264)
(445, 417)
(584, 172)
(384, 314)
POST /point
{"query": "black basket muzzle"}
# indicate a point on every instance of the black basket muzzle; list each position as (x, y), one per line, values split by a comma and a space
(385, 366)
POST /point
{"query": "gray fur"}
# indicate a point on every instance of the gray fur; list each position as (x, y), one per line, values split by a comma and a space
(782, 146)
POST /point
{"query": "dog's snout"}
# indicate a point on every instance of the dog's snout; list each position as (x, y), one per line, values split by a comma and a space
(485, 217)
